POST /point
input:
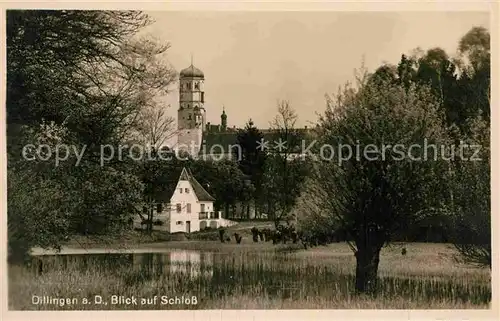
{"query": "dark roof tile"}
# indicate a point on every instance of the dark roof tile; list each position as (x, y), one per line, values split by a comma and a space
(201, 193)
(185, 175)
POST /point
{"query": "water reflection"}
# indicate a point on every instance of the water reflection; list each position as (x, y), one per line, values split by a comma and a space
(192, 264)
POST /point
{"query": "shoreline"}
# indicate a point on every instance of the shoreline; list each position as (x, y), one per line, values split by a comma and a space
(73, 251)
(157, 247)
(340, 248)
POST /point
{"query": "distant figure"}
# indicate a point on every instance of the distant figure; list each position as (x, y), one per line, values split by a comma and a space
(40, 267)
(221, 235)
(237, 237)
(255, 234)
(261, 236)
(403, 251)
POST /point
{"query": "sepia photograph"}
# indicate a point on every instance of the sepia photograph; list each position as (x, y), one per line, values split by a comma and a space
(248, 160)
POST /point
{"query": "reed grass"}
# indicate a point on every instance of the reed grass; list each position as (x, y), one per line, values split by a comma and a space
(242, 278)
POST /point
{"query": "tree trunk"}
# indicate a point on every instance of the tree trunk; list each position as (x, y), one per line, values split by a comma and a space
(150, 220)
(367, 260)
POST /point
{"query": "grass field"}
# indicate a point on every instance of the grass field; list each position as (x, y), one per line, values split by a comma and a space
(263, 276)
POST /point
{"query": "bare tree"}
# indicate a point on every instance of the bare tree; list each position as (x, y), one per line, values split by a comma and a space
(155, 127)
(284, 173)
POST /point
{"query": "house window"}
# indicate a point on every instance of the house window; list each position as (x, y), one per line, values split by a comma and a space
(202, 207)
(189, 207)
(197, 85)
(189, 117)
(159, 208)
(178, 222)
(180, 190)
(186, 190)
(179, 208)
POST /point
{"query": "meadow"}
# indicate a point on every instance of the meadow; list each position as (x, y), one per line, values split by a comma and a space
(255, 276)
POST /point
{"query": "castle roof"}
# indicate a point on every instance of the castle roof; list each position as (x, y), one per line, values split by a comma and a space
(227, 138)
(192, 71)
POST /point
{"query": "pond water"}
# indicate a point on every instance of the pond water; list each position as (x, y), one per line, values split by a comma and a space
(192, 264)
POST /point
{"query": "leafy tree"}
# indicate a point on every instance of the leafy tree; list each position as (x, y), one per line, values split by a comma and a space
(470, 209)
(376, 194)
(474, 46)
(64, 199)
(383, 74)
(475, 64)
(461, 85)
(406, 71)
(155, 174)
(225, 181)
(37, 214)
(86, 73)
(435, 69)
(253, 158)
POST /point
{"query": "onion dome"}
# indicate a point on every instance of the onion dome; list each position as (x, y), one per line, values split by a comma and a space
(192, 71)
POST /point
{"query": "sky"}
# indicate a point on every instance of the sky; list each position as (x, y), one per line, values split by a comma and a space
(253, 59)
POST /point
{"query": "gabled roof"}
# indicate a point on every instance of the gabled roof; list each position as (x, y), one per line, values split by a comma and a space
(201, 193)
(169, 185)
(185, 175)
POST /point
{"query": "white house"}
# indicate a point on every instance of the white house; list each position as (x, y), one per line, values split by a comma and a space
(190, 207)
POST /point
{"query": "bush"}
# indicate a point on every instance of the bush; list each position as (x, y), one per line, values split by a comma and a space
(158, 222)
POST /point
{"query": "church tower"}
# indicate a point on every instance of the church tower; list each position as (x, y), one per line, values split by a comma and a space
(191, 112)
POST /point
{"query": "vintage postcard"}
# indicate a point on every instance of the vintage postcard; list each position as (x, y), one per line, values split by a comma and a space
(283, 161)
